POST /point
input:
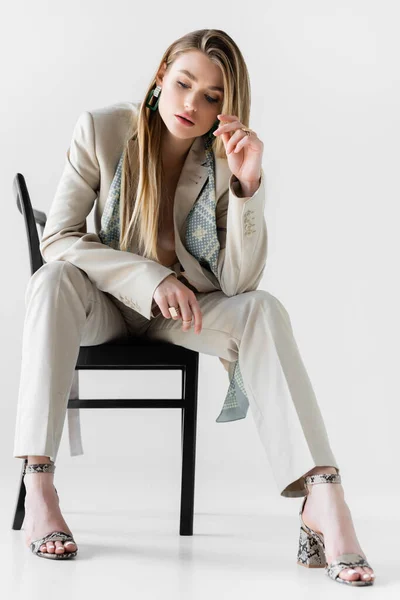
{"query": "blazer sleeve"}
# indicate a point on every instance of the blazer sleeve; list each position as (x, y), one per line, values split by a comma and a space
(129, 277)
(242, 233)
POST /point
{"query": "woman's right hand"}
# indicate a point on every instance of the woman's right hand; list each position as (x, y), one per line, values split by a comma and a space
(172, 292)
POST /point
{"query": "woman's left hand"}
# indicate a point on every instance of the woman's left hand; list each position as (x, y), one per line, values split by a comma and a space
(244, 152)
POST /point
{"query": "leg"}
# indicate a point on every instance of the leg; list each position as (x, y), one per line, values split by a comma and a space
(64, 310)
(255, 327)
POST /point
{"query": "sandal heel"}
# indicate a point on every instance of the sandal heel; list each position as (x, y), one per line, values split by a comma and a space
(311, 553)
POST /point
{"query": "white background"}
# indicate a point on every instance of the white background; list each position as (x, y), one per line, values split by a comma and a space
(325, 101)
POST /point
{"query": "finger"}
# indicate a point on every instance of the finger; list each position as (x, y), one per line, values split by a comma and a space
(186, 313)
(173, 301)
(235, 140)
(228, 127)
(226, 117)
(225, 138)
(198, 318)
(242, 143)
(164, 304)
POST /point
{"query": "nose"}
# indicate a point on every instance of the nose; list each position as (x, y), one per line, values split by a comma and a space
(190, 103)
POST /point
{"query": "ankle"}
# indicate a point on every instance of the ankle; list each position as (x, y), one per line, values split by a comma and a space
(37, 476)
(38, 459)
(320, 470)
(330, 492)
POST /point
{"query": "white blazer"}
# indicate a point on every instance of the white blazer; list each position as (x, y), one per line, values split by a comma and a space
(97, 143)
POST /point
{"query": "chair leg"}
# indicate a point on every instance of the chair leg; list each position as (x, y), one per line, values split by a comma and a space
(188, 441)
(19, 514)
(74, 421)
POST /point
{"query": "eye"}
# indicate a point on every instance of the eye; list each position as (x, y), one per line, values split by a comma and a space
(209, 98)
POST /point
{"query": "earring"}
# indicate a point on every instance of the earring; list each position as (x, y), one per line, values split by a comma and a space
(153, 94)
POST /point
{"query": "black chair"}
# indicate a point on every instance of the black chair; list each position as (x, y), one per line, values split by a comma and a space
(143, 354)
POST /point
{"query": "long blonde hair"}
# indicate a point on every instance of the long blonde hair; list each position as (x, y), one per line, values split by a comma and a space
(141, 173)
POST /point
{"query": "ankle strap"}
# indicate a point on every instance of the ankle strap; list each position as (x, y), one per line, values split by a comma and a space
(323, 478)
(40, 468)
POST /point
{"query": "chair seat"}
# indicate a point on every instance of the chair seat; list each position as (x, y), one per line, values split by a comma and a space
(134, 352)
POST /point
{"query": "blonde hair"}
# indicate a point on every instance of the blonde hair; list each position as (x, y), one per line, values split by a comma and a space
(141, 173)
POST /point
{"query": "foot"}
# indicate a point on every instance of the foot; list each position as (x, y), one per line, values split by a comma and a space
(327, 512)
(42, 513)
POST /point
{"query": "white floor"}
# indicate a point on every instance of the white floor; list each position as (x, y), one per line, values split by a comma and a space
(244, 542)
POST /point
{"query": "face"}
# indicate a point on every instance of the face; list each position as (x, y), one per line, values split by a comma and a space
(181, 94)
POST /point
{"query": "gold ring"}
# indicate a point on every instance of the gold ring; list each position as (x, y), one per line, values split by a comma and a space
(247, 130)
(183, 321)
(174, 311)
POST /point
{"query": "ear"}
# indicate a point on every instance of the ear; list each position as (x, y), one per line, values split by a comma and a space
(161, 73)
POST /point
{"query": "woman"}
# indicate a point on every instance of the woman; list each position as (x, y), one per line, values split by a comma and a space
(179, 250)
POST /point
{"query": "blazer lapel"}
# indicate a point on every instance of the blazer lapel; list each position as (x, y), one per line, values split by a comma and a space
(193, 176)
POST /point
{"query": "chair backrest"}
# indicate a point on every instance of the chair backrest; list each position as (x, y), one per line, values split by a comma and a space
(32, 217)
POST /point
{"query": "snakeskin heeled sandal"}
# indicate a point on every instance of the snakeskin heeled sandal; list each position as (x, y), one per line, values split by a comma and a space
(61, 536)
(311, 552)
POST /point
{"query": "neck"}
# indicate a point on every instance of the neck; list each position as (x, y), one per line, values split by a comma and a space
(174, 150)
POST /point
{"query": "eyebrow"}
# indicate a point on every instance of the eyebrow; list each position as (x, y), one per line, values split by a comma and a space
(194, 78)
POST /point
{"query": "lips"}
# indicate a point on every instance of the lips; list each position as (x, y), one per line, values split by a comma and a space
(186, 118)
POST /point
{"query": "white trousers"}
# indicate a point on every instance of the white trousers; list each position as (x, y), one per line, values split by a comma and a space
(65, 309)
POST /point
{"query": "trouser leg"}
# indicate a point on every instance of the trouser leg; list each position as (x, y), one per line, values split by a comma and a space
(64, 310)
(255, 328)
